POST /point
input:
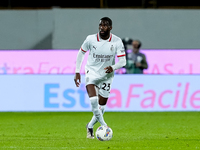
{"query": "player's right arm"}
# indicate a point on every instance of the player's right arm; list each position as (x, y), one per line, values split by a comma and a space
(79, 60)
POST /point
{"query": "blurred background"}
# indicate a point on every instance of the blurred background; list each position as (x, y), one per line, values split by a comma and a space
(39, 42)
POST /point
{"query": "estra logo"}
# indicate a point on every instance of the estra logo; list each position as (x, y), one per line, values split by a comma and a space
(144, 96)
(128, 93)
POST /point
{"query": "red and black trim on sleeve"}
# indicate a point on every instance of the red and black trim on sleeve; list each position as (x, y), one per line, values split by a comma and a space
(83, 50)
(121, 55)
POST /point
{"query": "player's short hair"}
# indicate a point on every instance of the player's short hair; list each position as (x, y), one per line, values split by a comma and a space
(107, 19)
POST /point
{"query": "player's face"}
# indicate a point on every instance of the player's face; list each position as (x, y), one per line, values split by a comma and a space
(104, 28)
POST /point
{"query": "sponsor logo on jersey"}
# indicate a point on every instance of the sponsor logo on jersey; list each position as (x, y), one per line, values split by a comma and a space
(102, 58)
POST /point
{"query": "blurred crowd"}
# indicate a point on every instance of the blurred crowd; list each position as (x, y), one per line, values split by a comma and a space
(136, 61)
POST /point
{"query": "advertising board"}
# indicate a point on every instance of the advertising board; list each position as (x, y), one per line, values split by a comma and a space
(128, 93)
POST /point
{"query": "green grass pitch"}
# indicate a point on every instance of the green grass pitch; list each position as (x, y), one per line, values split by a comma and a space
(131, 130)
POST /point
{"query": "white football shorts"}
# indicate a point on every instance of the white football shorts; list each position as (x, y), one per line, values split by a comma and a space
(103, 83)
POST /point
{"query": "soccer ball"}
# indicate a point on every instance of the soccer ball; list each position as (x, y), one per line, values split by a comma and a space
(104, 133)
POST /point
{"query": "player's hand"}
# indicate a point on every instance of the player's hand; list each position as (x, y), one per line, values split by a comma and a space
(77, 79)
(108, 69)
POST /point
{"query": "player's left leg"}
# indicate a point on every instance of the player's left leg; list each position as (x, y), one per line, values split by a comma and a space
(103, 93)
(102, 105)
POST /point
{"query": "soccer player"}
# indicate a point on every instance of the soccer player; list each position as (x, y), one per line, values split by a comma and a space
(100, 67)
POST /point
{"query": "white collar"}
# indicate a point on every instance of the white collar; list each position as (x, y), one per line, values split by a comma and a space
(99, 38)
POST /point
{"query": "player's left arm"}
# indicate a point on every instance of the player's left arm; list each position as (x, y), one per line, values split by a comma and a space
(121, 56)
(119, 64)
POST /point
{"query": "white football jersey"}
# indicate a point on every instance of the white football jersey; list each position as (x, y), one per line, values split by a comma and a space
(102, 52)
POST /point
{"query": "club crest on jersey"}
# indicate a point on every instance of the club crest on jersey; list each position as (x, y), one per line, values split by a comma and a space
(112, 48)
